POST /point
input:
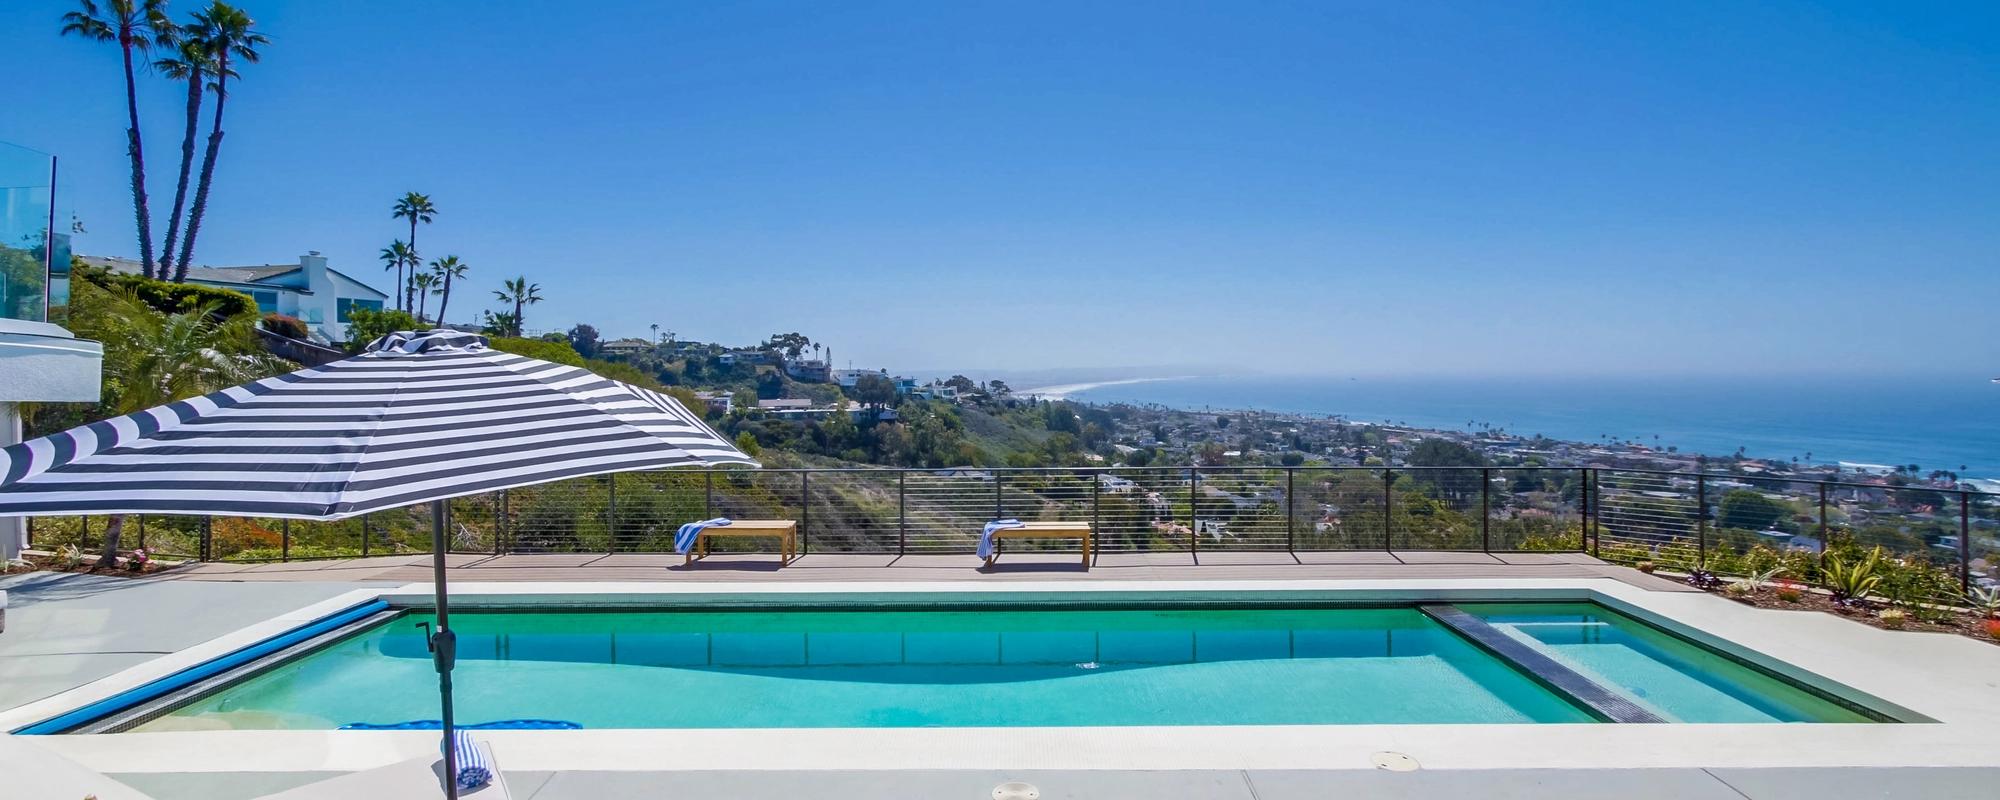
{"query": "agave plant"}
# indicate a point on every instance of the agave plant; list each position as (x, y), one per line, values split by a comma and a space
(1985, 601)
(1758, 580)
(1851, 584)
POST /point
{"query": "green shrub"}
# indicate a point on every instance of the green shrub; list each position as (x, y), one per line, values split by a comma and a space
(168, 297)
(287, 326)
(365, 325)
(558, 352)
(557, 349)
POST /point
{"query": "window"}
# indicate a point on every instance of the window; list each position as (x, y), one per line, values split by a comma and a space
(267, 302)
(346, 305)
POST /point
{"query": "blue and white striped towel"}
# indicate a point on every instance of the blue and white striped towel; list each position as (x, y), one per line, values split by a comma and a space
(473, 769)
(684, 538)
(986, 537)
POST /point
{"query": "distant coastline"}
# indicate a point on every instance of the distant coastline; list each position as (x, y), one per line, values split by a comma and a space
(1064, 390)
(1947, 423)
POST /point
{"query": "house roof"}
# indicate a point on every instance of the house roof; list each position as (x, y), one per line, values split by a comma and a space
(242, 275)
(255, 275)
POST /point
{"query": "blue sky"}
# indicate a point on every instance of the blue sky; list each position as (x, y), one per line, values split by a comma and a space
(1383, 188)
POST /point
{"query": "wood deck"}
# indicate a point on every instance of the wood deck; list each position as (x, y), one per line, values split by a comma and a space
(1036, 566)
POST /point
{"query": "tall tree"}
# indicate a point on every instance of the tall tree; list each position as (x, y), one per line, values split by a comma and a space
(422, 282)
(227, 34)
(522, 294)
(394, 257)
(415, 208)
(134, 26)
(447, 269)
(192, 63)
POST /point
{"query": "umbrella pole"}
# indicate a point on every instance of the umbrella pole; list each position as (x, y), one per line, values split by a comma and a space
(444, 644)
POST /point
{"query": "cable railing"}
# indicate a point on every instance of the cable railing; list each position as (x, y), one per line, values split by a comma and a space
(1944, 540)
(1722, 522)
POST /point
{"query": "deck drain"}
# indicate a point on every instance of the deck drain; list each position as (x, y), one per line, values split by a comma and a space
(1395, 762)
(1016, 790)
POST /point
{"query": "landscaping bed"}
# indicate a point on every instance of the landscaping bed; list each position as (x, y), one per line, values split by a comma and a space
(1793, 596)
(39, 561)
(1957, 621)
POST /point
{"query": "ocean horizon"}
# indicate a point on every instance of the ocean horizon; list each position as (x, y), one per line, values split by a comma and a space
(1935, 422)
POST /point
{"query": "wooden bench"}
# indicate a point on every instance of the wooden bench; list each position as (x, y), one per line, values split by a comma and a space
(1045, 530)
(786, 530)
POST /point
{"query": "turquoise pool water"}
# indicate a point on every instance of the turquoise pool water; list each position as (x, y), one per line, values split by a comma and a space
(878, 668)
(1676, 679)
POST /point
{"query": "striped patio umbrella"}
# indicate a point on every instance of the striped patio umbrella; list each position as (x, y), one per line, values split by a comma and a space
(417, 418)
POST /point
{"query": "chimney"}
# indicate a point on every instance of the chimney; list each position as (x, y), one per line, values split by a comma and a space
(314, 266)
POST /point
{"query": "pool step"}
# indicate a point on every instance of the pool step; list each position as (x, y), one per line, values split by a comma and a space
(1597, 699)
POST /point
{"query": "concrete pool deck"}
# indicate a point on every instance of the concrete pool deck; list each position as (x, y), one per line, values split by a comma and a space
(1520, 784)
(1022, 566)
(66, 630)
(1946, 678)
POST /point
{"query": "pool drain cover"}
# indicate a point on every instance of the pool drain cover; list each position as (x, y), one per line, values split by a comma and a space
(1395, 762)
(1016, 790)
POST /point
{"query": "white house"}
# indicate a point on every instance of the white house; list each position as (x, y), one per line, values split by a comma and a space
(320, 296)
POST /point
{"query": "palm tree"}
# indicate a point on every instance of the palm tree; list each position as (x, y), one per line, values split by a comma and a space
(134, 26)
(394, 257)
(522, 294)
(159, 358)
(446, 269)
(193, 64)
(415, 208)
(225, 31)
(422, 283)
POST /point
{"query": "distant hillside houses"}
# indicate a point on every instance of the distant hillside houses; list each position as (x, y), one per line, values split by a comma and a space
(808, 371)
(624, 347)
(744, 355)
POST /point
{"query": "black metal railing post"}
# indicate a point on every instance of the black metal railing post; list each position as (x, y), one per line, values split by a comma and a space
(1701, 520)
(805, 512)
(1486, 509)
(902, 511)
(506, 527)
(1388, 508)
(1291, 508)
(999, 504)
(364, 536)
(1964, 541)
(207, 538)
(499, 520)
(1096, 502)
(285, 546)
(708, 494)
(1822, 514)
(1588, 496)
(142, 531)
(611, 513)
(1194, 509)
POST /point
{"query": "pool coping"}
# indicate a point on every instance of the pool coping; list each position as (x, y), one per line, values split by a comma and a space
(1920, 676)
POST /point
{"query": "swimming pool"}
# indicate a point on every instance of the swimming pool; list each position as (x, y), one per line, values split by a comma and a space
(1008, 667)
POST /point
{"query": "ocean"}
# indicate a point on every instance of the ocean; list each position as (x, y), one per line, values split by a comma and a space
(1950, 422)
